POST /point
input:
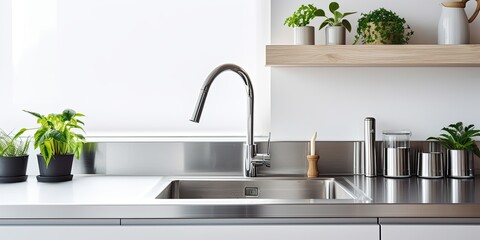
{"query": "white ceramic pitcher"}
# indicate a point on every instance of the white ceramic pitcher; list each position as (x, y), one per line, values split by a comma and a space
(453, 25)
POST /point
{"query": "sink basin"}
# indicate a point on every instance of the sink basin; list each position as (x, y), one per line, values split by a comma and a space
(324, 188)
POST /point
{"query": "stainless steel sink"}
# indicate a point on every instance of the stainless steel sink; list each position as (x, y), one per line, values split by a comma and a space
(324, 188)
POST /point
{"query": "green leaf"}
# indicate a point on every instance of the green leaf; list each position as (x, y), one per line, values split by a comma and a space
(324, 23)
(337, 16)
(19, 134)
(39, 137)
(47, 151)
(78, 151)
(80, 136)
(68, 114)
(453, 133)
(75, 126)
(347, 25)
(333, 7)
(320, 13)
(35, 114)
(348, 13)
(57, 136)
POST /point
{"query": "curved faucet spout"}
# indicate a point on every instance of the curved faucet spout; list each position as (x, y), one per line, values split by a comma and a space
(251, 159)
(197, 113)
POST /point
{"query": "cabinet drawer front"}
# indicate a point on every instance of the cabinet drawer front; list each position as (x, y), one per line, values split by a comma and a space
(184, 232)
(427, 231)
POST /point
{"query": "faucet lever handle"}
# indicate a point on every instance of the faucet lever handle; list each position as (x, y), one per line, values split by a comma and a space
(268, 144)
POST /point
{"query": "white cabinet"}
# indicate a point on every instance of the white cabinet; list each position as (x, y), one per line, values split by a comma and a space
(426, 231)
(438, 229)
(184, 232)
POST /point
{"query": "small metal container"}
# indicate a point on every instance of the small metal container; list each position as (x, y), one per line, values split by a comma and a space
(430, 165)
(396, 162)
(396, 154)
(460, 164)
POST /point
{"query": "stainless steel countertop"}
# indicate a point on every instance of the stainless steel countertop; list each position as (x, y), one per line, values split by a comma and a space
(128, 197)
(377, 197)
(415, 190)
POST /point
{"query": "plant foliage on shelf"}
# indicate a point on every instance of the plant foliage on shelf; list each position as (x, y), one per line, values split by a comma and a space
(388, 28)
(458, 137)
(302, 16)
(12, 145)
(56, 134)
(337, 19)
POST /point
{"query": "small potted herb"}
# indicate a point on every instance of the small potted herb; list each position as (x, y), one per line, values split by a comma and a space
(303, 34)
(58, 143)
(13, 157)
(457, 139)
(382, 26)
(336, 25)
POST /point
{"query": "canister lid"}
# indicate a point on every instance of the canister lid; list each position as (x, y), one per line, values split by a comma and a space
(397, 132)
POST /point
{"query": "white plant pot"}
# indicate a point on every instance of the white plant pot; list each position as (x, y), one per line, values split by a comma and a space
(335, 35)
(304, 35)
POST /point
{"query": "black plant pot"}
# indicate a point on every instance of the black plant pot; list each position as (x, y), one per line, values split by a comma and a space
(59, 169)
(13, 169)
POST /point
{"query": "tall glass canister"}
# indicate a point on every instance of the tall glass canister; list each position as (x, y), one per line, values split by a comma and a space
(396, 153)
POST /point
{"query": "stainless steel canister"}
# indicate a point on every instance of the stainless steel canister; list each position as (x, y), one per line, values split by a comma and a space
(396, 153)
(460, 164)
(430, 165)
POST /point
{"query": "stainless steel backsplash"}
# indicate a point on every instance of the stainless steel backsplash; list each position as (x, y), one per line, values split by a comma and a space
(222, 158)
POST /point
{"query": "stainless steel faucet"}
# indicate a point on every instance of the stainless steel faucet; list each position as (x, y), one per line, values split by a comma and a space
(252, 159)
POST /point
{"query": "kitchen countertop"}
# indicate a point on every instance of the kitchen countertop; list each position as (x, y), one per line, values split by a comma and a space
(106, 196)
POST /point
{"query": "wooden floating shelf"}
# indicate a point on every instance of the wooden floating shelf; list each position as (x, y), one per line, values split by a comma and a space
(467, 55)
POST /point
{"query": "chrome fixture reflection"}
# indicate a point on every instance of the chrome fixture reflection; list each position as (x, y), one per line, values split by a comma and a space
(397, 190)
(431, 190)
(252, 159)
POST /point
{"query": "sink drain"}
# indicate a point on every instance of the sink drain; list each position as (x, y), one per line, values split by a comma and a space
(251, 191)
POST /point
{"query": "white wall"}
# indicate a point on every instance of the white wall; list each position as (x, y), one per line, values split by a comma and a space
(134, 67)
(6, 67)
(335, 100)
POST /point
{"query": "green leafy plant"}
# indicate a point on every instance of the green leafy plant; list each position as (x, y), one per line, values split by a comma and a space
(302, 16)
(12, 145)
(337, 19)
(458, 137)
(382, 26)
(56, 134)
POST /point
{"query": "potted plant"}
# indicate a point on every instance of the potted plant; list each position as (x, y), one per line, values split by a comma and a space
(336, 25)
(58, 144)
(13, 157)
(303, 34)
(382, 26)
(457, 139)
